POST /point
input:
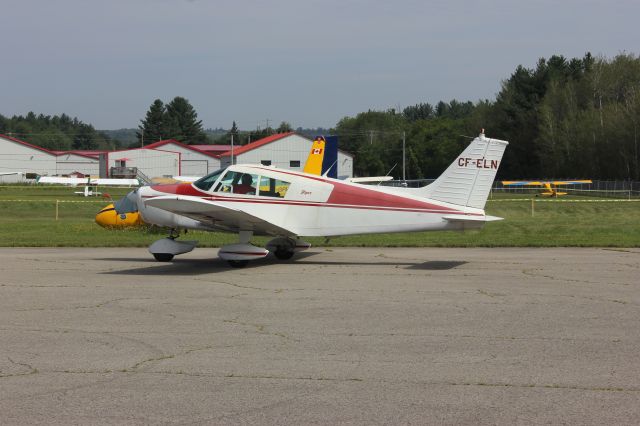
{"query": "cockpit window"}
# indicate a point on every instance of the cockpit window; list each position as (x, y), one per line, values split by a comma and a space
(126, 204)
(207, 182)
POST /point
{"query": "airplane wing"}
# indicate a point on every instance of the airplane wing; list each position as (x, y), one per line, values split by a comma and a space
(541, 183)
(215, 214)
(569, 182)
(522, 183)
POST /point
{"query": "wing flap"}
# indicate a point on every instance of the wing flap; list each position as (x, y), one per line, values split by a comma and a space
(215, 214)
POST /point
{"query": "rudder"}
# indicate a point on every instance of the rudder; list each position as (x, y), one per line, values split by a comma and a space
(468, 180)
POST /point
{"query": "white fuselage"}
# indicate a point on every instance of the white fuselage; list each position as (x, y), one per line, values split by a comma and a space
(312, 206)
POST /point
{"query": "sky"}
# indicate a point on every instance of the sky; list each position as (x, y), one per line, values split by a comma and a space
(307, 62)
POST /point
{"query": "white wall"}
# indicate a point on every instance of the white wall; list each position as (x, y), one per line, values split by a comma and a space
(152, 162)
(345, 165)
(69, 163)
(193, 163)
(15, 157)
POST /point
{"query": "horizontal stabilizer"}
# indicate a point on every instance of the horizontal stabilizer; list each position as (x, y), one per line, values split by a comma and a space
(468, 218)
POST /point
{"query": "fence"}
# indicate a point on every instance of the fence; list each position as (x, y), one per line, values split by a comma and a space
(598, 188)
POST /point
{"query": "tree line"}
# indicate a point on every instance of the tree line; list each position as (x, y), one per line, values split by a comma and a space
(563, 118)
(57, 132)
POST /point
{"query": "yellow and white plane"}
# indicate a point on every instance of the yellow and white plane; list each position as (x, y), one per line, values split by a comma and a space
(550, 187)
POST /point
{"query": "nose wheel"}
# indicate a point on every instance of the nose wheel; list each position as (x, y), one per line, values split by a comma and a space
(163, 257)
(238, 263)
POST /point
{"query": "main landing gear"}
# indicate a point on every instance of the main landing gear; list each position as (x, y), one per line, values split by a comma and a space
(165, 249)
(238, 255)
(284, 248)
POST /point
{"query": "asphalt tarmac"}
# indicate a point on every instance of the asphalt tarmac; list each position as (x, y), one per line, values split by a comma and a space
(334, 336)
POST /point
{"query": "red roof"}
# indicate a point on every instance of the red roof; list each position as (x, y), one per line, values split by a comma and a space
(257, 144)
(48, 151)
(26, 144)
(213, 148)
(175, 142)
(84, 152)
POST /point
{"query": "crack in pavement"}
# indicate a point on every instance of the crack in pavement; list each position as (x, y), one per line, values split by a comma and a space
(532, 273)
(29, 367)
(261, 329)
(70, 308)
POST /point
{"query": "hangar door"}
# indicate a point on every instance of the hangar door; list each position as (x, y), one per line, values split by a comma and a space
(194, 167)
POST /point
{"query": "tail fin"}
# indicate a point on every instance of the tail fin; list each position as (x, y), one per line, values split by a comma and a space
(467, 181)
(323, 157)
(315, 158)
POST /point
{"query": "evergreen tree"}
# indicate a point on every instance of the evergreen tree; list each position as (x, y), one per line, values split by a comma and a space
(284, 127)
(153, 128)
(182, 122)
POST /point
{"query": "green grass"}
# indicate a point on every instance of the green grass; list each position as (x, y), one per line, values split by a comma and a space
(32, 223)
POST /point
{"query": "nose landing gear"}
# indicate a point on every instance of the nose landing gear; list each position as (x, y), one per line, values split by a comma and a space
(165, 249)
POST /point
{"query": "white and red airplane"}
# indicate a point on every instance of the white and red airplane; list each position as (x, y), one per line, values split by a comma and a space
(263, 200)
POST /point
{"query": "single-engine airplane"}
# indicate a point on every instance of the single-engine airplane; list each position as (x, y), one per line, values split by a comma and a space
(550, 187)
(263, 200)
(317, 162)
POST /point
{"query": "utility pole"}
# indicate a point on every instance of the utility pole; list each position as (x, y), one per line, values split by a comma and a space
(232, 149)
(142, 139)
(404, 137)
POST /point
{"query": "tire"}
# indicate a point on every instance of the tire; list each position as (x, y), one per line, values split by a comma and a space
(238, 263)
(283, 254)
(163, 257)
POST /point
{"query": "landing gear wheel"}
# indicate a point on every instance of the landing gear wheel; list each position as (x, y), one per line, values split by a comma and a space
(283, 254)
(163, 257)
(238, 263)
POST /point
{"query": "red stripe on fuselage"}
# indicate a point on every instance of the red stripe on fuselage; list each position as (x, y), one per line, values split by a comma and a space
(342, 196)
(179, 189)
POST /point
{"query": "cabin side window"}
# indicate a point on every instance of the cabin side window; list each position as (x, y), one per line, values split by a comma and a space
(270, 187)
(238, 183)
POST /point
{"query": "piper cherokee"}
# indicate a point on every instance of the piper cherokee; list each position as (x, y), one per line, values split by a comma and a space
(288, 205)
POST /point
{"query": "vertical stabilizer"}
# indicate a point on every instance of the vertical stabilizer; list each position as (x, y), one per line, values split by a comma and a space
(467, 181)
(316, 157)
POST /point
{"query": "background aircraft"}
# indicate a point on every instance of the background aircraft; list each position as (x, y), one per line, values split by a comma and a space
(551, 187)
(289, 205)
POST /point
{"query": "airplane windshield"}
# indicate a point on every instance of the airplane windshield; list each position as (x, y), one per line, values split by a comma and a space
(126, 204)
(207, 182)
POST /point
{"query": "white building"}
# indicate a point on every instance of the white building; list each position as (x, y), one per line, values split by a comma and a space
(150, 161)
(193, 161)
(17, 156)
(283, 150)
(160, 159)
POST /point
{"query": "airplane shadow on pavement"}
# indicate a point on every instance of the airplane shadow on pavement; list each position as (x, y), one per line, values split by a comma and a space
(187, 266)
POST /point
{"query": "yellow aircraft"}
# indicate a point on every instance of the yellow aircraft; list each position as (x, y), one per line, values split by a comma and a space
(109, 217)
(551, 187)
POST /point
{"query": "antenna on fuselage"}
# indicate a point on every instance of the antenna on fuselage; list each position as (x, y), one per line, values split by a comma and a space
(388, 173)
(329, 169)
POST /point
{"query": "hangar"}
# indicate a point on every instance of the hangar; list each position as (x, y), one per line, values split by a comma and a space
(160, 159)
(17, 156)
(282, 150)
(194, 161)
